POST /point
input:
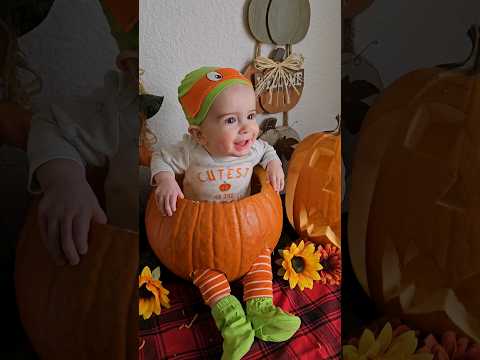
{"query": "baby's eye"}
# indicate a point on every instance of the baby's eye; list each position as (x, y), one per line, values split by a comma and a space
(230, 120)
(251, 116)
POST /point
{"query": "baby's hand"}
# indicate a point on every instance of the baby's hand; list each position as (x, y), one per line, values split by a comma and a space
(167, 192)
(275, 175)
(65, 211)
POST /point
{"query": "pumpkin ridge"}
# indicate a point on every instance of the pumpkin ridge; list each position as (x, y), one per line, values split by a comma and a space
(271, 225)
(95, 285)
(241, 234)
(215, 216)
(152, 213)
(193, 246)
(179, 214)
(229, 221)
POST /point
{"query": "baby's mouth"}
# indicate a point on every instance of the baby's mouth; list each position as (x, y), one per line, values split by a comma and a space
(241, 145)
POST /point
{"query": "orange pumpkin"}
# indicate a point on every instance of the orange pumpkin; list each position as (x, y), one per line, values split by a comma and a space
(88, 311)
(313, 188)
(414, 225)
(226, 236)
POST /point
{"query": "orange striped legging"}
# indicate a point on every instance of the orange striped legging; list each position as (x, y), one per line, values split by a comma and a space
(213, 284)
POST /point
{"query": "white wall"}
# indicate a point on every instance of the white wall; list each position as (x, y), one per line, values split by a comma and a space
(414, 34)
(179, 36)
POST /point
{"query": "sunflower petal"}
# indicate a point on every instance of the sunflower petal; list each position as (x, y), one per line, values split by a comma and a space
(309, 249)
(366, 341)
(156, 306)
(148, 309)
(152, 288)
(293, 281)
(308, 282)
(141, 306)
(385, 337)
(403, 345)
(350, 352)
(146, 272)
(165, 302)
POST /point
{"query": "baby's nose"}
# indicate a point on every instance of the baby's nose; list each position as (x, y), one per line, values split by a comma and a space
(244, 129)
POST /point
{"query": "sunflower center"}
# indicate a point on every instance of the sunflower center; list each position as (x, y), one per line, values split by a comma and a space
(144, 293)
(298, 264)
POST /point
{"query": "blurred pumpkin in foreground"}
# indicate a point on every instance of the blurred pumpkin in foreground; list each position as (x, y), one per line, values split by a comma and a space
(91, 309)
(414, 225)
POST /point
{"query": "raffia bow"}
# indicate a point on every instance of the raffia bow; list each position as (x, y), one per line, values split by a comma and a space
(278, 74)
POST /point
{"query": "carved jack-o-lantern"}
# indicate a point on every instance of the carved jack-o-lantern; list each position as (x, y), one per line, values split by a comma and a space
(414, 226)
(313, 188)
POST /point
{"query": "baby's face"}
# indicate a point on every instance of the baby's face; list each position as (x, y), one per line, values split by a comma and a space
(230, 127)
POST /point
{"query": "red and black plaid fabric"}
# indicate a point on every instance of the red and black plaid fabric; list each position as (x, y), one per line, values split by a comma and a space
(165, 336)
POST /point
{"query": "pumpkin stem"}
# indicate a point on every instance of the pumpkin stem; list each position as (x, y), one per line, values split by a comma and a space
(474, 55)
(476, 50)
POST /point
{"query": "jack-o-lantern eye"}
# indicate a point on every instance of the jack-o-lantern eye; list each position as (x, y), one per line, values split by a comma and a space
(214, 76)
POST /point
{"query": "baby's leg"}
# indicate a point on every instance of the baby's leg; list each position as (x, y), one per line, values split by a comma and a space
(227, 312)
(258, 281)
(213, 285)
(269, 322)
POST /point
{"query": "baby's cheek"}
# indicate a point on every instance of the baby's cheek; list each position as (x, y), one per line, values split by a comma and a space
(226, 143)
(227, 146)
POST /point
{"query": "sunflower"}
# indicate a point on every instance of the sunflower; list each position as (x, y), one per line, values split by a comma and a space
(300, 265)
(331, 262)
(389, 345)
(152, 295)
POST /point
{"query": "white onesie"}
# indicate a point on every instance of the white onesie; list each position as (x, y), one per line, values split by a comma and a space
(207, 178)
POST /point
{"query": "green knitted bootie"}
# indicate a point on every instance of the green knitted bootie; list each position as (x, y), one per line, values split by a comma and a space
(237, 332)
(270, 322)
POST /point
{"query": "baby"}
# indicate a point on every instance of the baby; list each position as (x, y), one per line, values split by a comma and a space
(217, 159)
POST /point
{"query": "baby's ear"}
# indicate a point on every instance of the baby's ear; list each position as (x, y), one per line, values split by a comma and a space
(197, 134)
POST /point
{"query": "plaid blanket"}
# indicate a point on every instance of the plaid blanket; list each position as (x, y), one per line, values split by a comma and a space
(169, 335)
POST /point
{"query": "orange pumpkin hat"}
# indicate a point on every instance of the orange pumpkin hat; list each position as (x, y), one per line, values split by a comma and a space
(199, 89)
